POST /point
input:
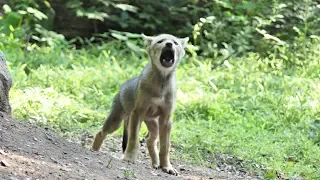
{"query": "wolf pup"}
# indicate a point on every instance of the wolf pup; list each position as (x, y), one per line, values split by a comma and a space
(149, 97)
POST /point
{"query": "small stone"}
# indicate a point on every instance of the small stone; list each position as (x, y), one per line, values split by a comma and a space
(182, 169)
(13, 178)
(55, 161)
(153, 173)
(4, 163)
(64, 169)
(2, 152)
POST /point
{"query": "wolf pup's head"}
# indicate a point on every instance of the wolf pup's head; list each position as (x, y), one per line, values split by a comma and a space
(165, 50)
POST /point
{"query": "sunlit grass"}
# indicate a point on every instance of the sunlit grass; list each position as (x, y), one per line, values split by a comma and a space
(267, 116)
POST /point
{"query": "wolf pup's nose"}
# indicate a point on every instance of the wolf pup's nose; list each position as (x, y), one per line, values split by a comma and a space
(169, 44)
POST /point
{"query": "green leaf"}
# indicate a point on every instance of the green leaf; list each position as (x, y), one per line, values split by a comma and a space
(92, 14)
(74, 4)
(11, 28)
(38, 14)
(134, 47)
(6, 8)
(132, 35)
(22, 12)
(36, 38)
(119, 36)
(47, 4)
(126, 7)
(224, 4)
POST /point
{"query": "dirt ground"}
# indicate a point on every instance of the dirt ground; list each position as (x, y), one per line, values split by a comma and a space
(31, 152)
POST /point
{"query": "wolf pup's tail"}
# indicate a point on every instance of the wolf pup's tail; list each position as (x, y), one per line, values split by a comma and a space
(125, 135)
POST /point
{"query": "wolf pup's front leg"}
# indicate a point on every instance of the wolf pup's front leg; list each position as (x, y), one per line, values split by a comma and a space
(165, 126)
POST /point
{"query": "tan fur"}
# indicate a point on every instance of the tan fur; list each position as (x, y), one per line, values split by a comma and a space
(148, 98)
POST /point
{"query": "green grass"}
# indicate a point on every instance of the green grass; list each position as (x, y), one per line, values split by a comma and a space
(263, 111)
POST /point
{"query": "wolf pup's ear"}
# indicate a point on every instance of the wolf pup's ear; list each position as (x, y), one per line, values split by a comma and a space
(184, 41)
(147, 39)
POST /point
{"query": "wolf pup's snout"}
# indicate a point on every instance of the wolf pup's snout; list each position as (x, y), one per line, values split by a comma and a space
(169, 44)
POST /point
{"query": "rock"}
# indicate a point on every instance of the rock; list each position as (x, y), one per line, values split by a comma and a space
(4, 163)
(5, 85)
(13, 178)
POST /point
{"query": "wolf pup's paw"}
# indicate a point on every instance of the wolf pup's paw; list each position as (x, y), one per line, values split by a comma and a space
(129, 158)
(155, 166)
(170, 170)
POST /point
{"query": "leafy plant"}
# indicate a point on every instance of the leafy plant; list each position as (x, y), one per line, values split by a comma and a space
(24, 20)
(232, 28)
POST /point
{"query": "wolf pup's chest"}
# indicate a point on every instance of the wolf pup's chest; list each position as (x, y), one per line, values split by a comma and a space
(155, 105)
(157, 101)
(153, 111)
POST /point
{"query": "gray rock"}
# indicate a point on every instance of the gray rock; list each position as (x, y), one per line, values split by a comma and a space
(5, 85)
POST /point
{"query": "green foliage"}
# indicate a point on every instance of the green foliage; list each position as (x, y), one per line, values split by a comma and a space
(136, 16)
(220, 28)
(25, 22)
(231, 28)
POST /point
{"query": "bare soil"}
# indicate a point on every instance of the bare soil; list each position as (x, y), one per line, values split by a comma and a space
(28, 151)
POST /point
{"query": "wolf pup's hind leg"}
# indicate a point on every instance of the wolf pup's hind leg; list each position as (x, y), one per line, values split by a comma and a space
(111, 124)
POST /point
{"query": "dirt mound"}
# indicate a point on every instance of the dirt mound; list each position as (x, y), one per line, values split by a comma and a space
(29, 151)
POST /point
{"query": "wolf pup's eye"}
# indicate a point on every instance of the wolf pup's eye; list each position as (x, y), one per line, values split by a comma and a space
(160, 41)
(175, 42)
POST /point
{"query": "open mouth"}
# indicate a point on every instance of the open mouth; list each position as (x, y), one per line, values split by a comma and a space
(167, 57)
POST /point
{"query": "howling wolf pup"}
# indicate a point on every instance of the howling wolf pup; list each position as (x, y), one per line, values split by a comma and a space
(150, 98)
